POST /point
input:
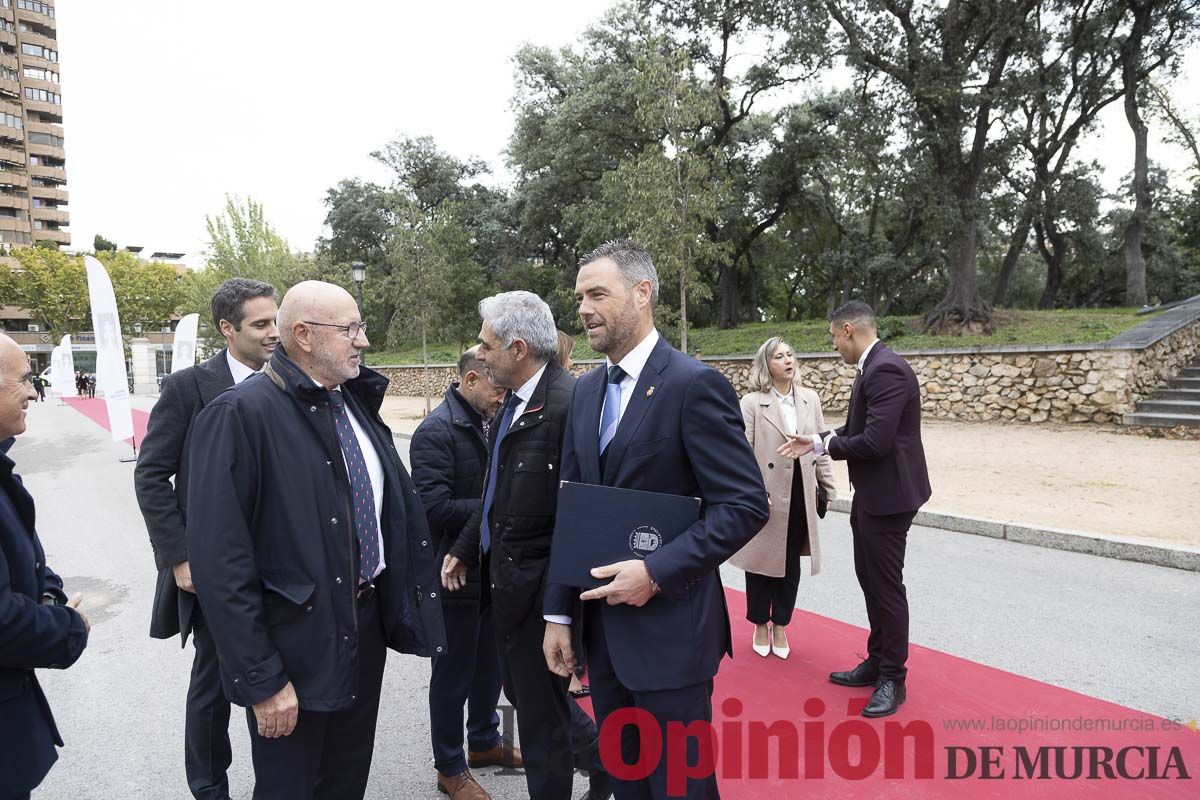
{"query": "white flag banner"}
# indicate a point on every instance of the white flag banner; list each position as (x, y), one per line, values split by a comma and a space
(111, 379)
(62, 370)
(183, 352)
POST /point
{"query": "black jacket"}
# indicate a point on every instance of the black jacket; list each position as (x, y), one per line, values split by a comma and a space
(164, 455)
(448, 454)
(33, 634)
(272, 545)
(522, 514)
(881, 440)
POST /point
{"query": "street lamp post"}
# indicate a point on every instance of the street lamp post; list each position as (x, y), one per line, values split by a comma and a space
(358, 270)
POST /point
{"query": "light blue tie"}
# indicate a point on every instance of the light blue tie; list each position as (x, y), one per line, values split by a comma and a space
(485, 528)
(612, 406)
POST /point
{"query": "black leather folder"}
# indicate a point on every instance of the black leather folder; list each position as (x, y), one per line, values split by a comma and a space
(599, 525)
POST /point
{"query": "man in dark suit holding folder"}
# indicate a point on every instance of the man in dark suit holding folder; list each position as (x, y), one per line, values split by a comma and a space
(658, 421)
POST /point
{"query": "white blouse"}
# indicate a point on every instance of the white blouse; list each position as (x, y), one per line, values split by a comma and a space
(787, 406)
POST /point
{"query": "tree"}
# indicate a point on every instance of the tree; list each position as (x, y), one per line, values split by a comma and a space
(1158, 30)
(147, 292)
(666, 197)
(952, 63)
(747, 51)
(242, 244)
(99, 243)
(52, 286)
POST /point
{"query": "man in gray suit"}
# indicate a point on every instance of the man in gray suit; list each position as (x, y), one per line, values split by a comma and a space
(243, 311)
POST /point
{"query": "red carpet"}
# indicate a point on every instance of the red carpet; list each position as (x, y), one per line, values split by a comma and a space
(830, 751)
(95, 410)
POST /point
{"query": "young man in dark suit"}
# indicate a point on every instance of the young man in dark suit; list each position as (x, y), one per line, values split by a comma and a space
(39, 628)
(656, 420)
(243, 311)
(881, 445)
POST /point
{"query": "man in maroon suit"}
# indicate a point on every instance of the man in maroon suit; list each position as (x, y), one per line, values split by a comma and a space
(881, 445)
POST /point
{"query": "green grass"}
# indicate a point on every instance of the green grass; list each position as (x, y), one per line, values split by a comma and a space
(1068, 326)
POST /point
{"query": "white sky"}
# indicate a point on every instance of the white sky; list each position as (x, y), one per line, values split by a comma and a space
(169, 105)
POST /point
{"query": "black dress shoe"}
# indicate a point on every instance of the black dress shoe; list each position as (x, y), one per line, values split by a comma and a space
(865, 674)
(888, 697)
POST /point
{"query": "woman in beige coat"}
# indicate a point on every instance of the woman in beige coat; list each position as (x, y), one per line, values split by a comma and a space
(775, 407)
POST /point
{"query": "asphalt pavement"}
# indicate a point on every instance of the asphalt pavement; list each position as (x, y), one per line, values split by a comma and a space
(1120, 631)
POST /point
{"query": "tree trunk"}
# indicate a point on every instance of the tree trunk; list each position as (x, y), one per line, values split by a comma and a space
(1016, 245)
(728, 283)
(1053, 247)
(962, 310)
(1131, 60)
(425, 363)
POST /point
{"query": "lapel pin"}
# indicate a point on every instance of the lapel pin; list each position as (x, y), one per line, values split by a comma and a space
(650, 392)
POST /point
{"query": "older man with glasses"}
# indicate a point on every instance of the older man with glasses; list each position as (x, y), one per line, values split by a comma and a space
(310, 550)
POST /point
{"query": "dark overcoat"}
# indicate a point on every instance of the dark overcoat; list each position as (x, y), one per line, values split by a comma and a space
(37, 630)
(163, 458)
(272, 546)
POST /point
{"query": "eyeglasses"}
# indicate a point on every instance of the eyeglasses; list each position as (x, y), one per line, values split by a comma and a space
(350, 331)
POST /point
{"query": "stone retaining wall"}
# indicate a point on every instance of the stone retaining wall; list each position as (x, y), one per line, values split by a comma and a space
(1079, 383)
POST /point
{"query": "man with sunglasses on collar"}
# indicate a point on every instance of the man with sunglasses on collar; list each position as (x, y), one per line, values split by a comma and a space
(310, 550)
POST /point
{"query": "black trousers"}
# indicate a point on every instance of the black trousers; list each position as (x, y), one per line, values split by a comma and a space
(328, 755)
(684, 705)
(879, 544)
(207, 754)
(556, 735)
(771, 599)
(468, 673)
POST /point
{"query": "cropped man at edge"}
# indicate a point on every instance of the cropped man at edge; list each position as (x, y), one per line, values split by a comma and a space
(39, 627)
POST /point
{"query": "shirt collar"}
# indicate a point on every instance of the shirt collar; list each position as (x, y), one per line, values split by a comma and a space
(236, 368)
(526, 390)
(862, 360)
(635, 360)
(788, 399)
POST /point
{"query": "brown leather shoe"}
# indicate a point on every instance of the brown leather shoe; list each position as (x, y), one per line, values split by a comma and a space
(461, 787)
(499, 756)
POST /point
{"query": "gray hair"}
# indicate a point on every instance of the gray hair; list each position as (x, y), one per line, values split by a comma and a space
(760, 368)
(524, 316)
(633, 261)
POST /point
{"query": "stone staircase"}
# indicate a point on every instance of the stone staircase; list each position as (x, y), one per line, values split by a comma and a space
(1177, 403)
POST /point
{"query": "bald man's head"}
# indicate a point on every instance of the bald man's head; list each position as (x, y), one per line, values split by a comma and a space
(15, 388)
(315, 323)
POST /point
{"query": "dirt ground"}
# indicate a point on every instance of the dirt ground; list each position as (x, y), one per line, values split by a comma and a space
(1080, 479)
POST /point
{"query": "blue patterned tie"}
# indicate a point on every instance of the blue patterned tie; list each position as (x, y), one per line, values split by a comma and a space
(366, 525)
(485, 529)
(612, 406)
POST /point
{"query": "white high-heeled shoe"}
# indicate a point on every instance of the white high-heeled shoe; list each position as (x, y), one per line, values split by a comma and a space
(763, 650)
(781, 652)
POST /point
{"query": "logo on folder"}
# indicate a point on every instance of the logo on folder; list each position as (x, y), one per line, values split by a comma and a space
(644, 540)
